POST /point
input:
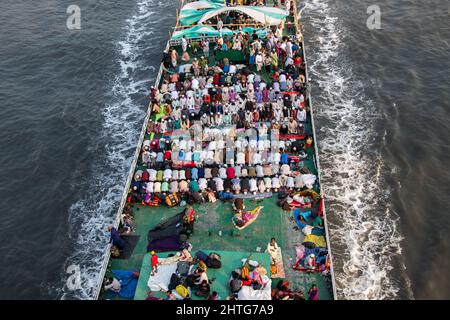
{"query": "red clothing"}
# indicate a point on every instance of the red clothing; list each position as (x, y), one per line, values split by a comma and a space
(190, 215)
(154, 260)
(216, 79)
(230, 173)
(247, 282)
(298, 61)
(167, 155)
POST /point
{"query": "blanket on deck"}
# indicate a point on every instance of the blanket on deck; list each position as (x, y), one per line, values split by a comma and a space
(319, 241)
(160, 280)
(166, 235)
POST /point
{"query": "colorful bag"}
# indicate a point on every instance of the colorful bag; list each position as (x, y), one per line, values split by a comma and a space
(273, 269)
(182, 291)
(172, 200)
(245, 272)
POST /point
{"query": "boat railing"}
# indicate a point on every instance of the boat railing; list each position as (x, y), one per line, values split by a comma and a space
(316, 158)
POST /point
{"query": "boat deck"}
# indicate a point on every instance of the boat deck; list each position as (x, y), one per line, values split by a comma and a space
(214, 230)
(215, 217)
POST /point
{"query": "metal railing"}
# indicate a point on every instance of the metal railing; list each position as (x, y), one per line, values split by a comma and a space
(316, 156)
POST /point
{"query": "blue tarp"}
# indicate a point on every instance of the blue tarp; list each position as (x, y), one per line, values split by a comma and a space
(128, 283)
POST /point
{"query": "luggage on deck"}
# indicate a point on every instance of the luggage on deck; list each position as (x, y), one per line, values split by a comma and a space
(196, 197)
(182, 291)
(172, 200)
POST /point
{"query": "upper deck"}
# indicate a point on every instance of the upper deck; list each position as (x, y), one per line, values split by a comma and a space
(221, 104)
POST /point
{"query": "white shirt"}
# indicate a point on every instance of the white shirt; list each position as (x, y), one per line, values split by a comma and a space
(257, 158)
(167, 174)
(195, 83)
(253, 186)
(285, 169)
(184, 44)
(301, 115)
(240, 158)
(223, 173)
(202, 183)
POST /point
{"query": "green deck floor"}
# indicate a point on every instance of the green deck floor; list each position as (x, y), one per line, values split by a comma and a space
(215, 219)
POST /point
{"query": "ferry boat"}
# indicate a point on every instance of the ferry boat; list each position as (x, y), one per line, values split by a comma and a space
(226, 174)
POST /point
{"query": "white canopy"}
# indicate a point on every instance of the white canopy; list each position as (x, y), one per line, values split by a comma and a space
(265, 15)
(200, 11)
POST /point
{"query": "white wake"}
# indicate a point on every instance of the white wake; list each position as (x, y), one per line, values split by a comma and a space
(123, 118)
(363, 229)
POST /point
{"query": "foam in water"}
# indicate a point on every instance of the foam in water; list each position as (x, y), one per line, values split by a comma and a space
(90, 216)
(363, 229)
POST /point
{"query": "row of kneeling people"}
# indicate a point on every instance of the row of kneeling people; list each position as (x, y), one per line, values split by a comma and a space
(224, 172)
(218, 184)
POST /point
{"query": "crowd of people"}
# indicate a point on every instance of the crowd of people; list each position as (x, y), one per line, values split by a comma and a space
(227, 128)
(224, 128)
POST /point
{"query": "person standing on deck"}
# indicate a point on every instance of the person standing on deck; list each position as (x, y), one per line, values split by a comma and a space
(184, 44)
(154, 262)
(219, 26)
(259, 61)
(274, 60)
(205, 46)
(174, 57)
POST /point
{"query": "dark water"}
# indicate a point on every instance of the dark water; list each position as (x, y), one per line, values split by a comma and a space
(73, 103)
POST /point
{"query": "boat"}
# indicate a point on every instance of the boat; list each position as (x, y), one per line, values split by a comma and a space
(223, 77)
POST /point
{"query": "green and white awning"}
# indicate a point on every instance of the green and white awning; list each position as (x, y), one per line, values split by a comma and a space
(200, 30)
(201, 11)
